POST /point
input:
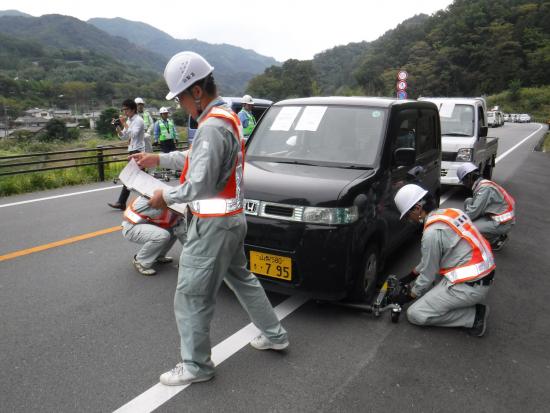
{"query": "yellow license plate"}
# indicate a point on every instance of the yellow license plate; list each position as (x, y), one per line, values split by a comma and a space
(271, 265)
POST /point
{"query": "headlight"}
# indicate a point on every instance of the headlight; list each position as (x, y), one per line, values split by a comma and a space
(464, 155)
(333, 216)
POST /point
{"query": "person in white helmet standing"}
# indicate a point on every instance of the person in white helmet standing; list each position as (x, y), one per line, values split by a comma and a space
(147, 123)
(455, 256)
(492, 208)
(247, 118)
(165, 132)
(211, 184)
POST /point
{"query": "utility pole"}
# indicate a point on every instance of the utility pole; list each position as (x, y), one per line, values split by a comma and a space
(6, 122)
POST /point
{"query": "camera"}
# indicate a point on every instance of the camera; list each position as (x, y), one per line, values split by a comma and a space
(117, 122)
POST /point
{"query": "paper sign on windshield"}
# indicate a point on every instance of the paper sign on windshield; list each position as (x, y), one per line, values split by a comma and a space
(311, 118)
(446, 110)
(285, 118)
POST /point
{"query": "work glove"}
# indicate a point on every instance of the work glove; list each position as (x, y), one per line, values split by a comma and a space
(407, 279)
(403, 295)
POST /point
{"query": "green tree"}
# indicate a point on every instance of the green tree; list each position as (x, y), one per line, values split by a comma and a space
(55, 129)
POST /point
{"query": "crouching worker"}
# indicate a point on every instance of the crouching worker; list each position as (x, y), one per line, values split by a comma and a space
(453, 248)
(156, 229)
(491, 208)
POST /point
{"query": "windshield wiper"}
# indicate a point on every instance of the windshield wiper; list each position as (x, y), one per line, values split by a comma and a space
(298, 163)
(455, 134)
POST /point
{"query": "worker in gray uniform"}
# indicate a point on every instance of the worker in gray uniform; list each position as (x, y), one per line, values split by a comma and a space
(454, 249)
(211, 184)
(491, 208)
(156, 229)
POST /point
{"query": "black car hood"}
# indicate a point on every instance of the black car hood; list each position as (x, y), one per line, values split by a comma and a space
(298, 184)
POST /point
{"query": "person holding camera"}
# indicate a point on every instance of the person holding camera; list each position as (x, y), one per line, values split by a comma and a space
(130, 126)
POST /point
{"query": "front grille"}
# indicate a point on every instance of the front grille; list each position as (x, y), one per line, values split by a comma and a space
(448, 156)
(279, 210)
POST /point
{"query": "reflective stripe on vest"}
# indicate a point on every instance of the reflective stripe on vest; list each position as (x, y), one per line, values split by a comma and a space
(165, 132)
(509, 214)
(230, 200)
(166, 220)
(482, 261)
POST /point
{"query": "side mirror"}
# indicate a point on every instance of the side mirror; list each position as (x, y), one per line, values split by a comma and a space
(483, 131)
(404, 156)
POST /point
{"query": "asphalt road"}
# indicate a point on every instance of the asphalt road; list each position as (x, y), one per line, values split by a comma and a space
(81, 331)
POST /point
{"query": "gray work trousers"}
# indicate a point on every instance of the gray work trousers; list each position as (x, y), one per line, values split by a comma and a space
(214, 252)
(490, 229)
(448, 305)
(156, 241)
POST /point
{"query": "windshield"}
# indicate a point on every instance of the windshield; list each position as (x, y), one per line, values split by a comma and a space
(456, 120)
(340, 135)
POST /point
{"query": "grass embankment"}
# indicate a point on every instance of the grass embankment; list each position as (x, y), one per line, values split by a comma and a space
(29, 182)
(546, 143)
(532, 100)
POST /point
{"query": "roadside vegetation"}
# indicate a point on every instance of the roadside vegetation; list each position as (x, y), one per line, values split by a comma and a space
(87, 139)
(532, 100)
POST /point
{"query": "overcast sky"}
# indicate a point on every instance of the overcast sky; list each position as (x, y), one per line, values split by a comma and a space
(282, 29)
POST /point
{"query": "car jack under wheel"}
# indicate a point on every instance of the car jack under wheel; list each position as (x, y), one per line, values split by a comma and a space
(382, 303)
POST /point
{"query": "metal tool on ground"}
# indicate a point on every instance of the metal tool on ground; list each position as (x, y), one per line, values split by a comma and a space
(383, 302)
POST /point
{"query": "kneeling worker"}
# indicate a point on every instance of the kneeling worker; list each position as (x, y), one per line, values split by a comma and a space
(453, 248)
(491, 208)
(156, 229)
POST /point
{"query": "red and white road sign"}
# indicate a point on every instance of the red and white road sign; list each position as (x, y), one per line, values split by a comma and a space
(402, 75)
(401, 85)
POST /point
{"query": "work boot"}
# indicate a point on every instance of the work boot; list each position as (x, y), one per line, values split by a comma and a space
(180, 376)
(117, 205)
(263, 343)
(164, 260)
(142, 269)
(497, 246)
(480, 322)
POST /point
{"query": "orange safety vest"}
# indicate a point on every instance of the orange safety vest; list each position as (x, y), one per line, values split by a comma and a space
(509, 214)
(165, 220)
(482, 261)
(229, 201)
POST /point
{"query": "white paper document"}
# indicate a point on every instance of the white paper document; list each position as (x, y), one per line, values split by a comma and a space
(311, 118)
(285, 118)
(134, 178)
(446, 110)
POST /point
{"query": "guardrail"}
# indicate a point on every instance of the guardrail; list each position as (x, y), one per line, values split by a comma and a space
(99, 156)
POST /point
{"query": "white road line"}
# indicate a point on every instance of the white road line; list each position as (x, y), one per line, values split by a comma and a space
(516, 145)
(159, 394)
(452, 191)
(59, 196)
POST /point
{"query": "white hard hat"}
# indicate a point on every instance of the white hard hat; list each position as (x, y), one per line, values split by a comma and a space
(247, 99)
(164, 110)
(407, 197)
(139, 100)
(464, 170)
(184, 69)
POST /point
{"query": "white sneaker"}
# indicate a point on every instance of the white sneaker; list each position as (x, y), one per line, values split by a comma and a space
(179, 376)
(164, 260)
(263, 343)
(143, 270)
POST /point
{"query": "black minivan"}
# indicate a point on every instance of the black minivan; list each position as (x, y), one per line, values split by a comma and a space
(319, 182)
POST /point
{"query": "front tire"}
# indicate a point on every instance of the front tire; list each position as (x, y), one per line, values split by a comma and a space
(488, 170)
(364, 286)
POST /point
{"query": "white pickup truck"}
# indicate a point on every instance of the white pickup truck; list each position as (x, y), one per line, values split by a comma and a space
(464, 136)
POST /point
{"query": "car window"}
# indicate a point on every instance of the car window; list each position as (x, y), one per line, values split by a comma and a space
(426, 135)
(319, 134)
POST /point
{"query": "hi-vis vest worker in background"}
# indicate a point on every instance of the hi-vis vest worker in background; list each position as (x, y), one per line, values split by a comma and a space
(454, 251)
(247, 118)
(156, 229)
(491, 208)
(147, 123)
(211, 184)
(165, 132)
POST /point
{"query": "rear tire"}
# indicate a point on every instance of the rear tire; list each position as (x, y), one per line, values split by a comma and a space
(364, 286)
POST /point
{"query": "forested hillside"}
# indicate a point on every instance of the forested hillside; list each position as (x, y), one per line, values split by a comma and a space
(473, 47)
(235, 66)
